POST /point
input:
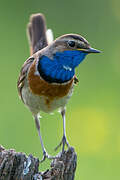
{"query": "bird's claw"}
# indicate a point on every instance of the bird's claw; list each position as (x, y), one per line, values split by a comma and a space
(46, 155)
(63, 142)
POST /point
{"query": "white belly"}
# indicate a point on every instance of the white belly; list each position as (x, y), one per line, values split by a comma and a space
(38, 103)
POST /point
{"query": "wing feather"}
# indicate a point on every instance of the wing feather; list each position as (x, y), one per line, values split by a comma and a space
(23, 75)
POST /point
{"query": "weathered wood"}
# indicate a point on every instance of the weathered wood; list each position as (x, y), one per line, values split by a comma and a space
(18, 166)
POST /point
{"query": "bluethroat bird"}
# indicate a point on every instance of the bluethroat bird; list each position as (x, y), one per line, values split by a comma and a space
(47, 77)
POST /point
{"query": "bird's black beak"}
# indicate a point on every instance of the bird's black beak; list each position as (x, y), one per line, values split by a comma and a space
(90, 50)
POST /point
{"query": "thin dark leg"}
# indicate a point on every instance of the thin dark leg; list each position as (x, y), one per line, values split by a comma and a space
(64, 139)
(45, 154)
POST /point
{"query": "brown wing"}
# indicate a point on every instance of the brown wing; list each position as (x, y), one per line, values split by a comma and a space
(38, 40)
(23, 74)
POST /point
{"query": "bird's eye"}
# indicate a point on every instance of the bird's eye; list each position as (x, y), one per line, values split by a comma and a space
(71, 43)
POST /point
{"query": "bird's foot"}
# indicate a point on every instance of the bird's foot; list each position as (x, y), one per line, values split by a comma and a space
(46, 155)
(63, 142)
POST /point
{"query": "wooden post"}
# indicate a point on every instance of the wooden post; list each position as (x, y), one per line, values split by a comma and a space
(18, 166)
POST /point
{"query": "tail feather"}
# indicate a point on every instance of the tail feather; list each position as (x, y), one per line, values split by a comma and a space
(49, 35)
(36, 31)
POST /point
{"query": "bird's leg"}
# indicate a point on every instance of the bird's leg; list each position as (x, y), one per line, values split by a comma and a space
(45, 154)
(64, 139)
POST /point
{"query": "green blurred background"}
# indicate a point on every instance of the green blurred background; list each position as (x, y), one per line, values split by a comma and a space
(93, 113)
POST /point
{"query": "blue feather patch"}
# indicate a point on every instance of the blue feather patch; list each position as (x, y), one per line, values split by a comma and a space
(61, 68)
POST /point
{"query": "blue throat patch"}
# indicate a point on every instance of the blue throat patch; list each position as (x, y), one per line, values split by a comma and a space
(61, 68)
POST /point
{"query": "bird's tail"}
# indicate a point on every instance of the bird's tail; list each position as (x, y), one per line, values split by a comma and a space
(39, 37)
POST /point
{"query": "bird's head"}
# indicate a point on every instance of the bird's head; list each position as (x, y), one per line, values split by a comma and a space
(72, 42)
(63, 56)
